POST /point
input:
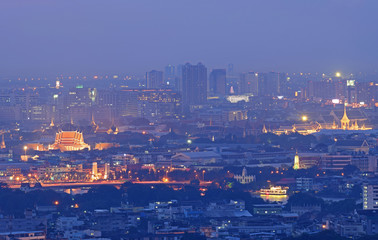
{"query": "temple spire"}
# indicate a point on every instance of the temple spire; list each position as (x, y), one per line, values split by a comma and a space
(345, 120)
(296, 161)
(93, 123)
(264, 129)
(52, 122)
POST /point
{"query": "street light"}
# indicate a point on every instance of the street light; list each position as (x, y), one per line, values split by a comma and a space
(25, 149)
(304, 118)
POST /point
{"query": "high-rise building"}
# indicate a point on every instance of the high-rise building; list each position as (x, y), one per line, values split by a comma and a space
(194, 84)
(127, 103)
(154, 79)
(170, 76)
(230, 69)
(351, 92)
(324, 89)
(249, 83)
(370, 196)
(154, 104)
(217, 81)
(178, 78)
(269, 84)
(340, 89)
(367, 92)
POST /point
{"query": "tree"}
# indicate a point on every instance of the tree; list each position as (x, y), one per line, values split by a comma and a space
(325, 235)
(302, 199)
(193, 236)
(350, 169)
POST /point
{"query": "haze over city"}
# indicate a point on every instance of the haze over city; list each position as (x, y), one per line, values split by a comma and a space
(44, 37)
(188, 120)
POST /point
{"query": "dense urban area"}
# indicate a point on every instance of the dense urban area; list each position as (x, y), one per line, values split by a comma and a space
(189, 153)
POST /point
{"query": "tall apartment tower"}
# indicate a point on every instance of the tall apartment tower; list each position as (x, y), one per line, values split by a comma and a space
(370, 196)
(249, 83)
(217, 82)
(194, 84)
(154, 79)
(170, 76)
(269, 84)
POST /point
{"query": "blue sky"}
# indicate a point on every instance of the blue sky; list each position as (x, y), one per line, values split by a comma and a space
(124, 36)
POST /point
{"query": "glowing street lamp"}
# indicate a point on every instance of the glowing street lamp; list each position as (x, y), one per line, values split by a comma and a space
(304, 118)
(338, 74)
(25, 149)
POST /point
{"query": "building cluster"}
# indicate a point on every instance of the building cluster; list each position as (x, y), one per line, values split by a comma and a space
(220, 219)
(273, 136)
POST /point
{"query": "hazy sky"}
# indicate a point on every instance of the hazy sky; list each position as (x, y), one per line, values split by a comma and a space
(124, 36)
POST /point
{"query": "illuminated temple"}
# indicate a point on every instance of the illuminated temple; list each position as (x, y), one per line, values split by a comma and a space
(339, 123)
(69, 141)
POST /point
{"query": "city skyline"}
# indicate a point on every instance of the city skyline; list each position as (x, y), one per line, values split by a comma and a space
(188, 120)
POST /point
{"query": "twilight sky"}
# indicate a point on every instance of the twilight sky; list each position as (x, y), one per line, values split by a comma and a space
(134, 36)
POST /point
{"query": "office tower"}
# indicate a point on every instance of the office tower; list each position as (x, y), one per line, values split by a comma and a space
(249, 83)
(230, 69)
(351, 92)
(170, 76)
(127, 103)
(154, 79)
(367, 92)
(340, 89)
(78, 102)
(178, 74)
(324, 89)
(80, 97)
(370, 196)
(286, 85)
(217, 81)
(154, 104)
(194, 84)
(269, 83)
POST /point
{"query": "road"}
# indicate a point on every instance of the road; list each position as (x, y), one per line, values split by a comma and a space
(104, 183)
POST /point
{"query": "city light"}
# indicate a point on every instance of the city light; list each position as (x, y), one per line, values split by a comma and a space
(97, 141)
(25, 149)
